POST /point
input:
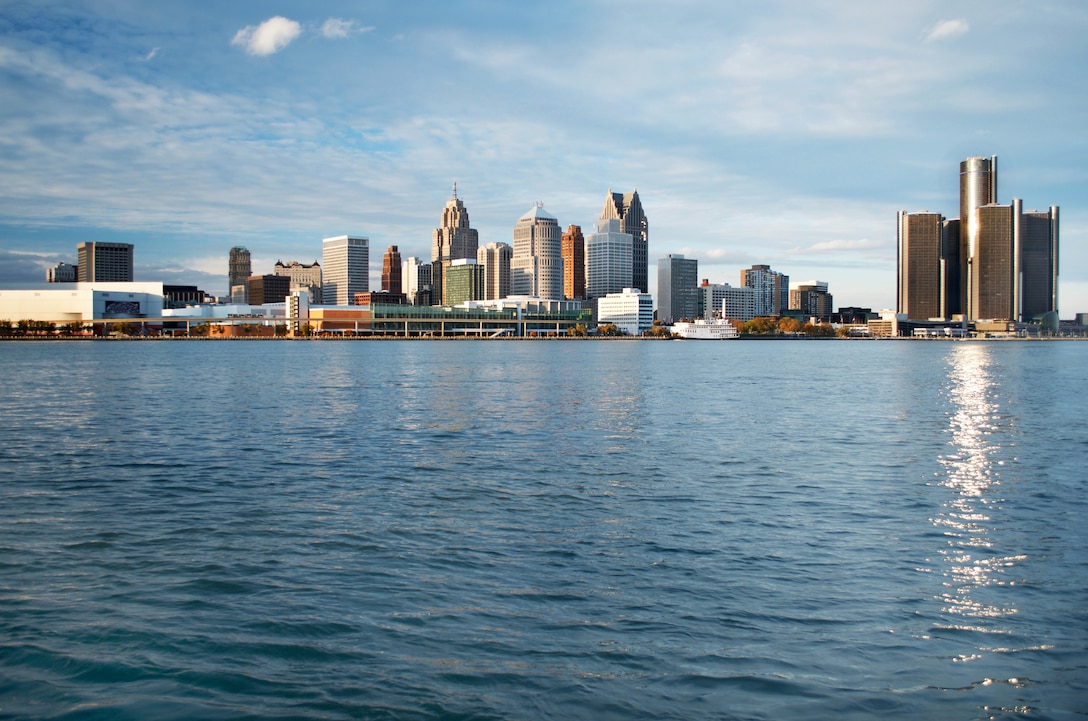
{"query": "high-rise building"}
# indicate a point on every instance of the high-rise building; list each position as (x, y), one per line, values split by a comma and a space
(464, 282)
(239, 269)
(265, 289)
(62, 273)
(772, 289)
(921, 279)
(345, 262)
(994, 262)
(721, 300)
(304, 278)
(416, 281)
(627, 208)
(609, 255)
(678, 294)
(536, 268)
(1038, 263)
(104, 262)
(453, 240)
(812, 299)
(495, 259)
(574, 263)
(629, 310)
(391, 270)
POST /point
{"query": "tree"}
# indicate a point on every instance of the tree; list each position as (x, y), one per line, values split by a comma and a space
(609, 329)
(6, 328)
(789, 325)
(759, 326)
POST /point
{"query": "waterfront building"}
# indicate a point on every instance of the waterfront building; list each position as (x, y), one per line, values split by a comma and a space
(630, 310)
(1038, 263)
(678, 294)
(304, 278)
(391, 270)
(84, 302)
(811, 298)
(721, 300)
(609, 258)
(265, 289)
(464, 281)
(495, 260)
(239, 268)
(921, 279)
(104, 262)
(179, 296)
(993, 267)
(62, 273)
(771, 288)
(627, 208)
(345, 262)
(416, 281)
(536, 267)
(453, 240)
(574, 263)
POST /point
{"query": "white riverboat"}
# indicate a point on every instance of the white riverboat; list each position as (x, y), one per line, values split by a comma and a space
(699, 329)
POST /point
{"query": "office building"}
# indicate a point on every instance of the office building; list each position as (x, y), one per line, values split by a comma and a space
(391, 270)
(993, 263)
(627, 208)
(239, 268)
(771, 288)
(678, 295)
(629, 310)
(609, 259)
(416, 281)
(495, 260)
(304, 278)
(574, 263)
(62, 273)
(536, 268)
(811, 298)
(1038, 263)
(721, 300)
(104, 262)
(345, 262)
(265, 289)
(464, 282)
(453, 240)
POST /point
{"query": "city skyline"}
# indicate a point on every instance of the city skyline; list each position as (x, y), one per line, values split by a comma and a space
(193, 130)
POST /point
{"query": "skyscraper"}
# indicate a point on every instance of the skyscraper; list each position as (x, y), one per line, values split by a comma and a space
(609, 256)
(391, 271)
(1039, 263)
(812, 299)
(536, 269)
(678, 294)
(772, 289)
(574, 263)
(104, 262)
(495, 259)
(995, 262)
(453, 240)
(627, 208)
(920, 284)
(239, 269)
(416, 281)
(345, 271)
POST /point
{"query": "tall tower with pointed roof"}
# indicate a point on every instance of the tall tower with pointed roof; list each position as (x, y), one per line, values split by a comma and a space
(627, 208)
(454, 240)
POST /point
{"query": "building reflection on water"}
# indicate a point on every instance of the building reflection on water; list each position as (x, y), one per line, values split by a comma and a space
(974, 563)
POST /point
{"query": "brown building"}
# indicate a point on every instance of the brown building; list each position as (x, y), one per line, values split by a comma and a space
(264, 289)
(372, 297)
(574, 263)
(391, 273)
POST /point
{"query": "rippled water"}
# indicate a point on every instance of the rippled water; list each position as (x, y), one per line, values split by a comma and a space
(515, 530)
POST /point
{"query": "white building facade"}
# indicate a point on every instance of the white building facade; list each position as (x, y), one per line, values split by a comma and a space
(345, 271)
(609, 255)
(495, 258)
(629, 310)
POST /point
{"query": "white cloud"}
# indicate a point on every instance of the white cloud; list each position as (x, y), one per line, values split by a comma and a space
(151, 55)
(947, 29)
(337, 28)
(269, 37)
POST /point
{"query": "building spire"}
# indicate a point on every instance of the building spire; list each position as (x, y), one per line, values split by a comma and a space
(455, 190)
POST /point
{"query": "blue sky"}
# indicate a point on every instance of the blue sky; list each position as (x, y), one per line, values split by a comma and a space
(786, 133)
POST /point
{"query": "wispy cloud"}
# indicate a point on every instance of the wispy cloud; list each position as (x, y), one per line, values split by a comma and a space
(151, 55)
(269, 37)
(338, 28)
(947, 29)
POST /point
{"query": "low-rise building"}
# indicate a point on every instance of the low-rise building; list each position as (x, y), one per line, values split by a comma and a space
(630, 310)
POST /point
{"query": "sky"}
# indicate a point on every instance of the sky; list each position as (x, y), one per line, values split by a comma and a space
(781, 132)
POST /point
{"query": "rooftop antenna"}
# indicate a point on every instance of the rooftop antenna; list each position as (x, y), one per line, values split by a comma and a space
(455, 190)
